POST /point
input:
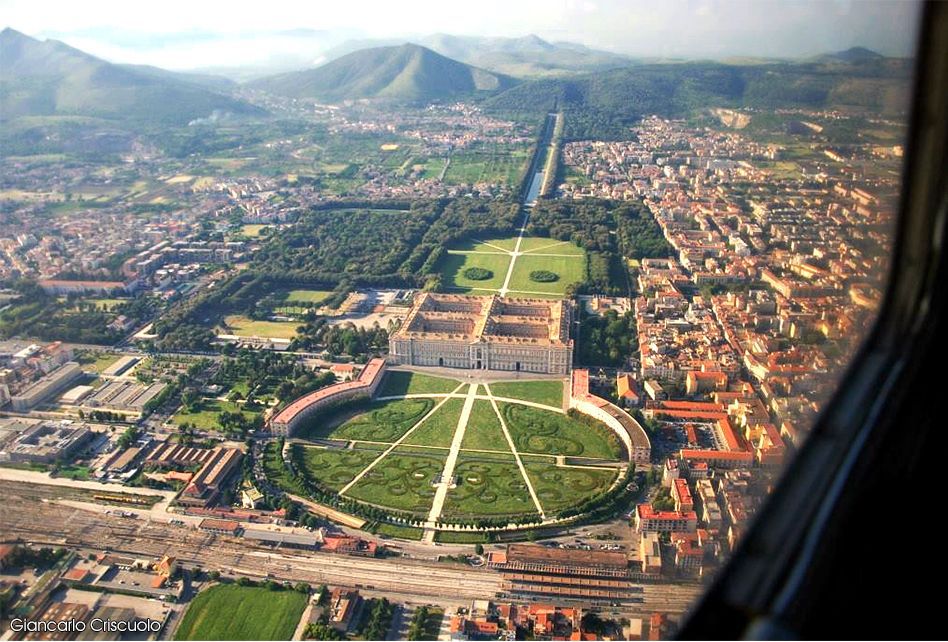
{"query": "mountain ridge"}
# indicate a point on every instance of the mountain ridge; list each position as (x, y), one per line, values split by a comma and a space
(51, 78)
(407, 72)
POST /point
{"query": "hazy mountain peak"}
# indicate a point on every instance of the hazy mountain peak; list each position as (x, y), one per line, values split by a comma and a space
(406, 71)
(51, 78)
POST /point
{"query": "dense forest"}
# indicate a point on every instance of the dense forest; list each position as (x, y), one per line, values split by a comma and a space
(346, 339)
(604, 105)
(607, 340)
(607, 230)
(44, 316)
(388, 245)
(398, 244)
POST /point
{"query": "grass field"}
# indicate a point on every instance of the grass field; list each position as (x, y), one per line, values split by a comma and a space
(561, 487)
(252, 230)
(243, 326)
(452, 537)
(276, 472)
(336, 467)
(488, 486)
(548, 433)
(549, 393)
(565, 259)
(384, 421)
(97, 361)
(439, 428)
(401, 481)
(453, 265)
(569, 269)
(490, 164)
(544, 245)
(409, 383)
(307, 296)
(401, 532)
(231, 612)
(205, 416)
(483, 430)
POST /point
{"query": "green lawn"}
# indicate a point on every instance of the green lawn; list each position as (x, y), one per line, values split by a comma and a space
(307, 296)
(401, 481)
(569, 269)
(439, 428)
(546, 245)
(97, 361)
(549, 393)
(491, 164)
(569, 264)
(383, 421)
(485, 245)
(336, 467)
(231, 612)
(276, 472)
(461, 537)
(411, 383)
(545, 432)
(243, 326)
(401, 532)
(558, 488)
(487, 486)
(205, 416)
(453, 265)
(483, 430)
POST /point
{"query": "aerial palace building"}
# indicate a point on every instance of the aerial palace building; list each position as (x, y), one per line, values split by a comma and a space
(485, 333)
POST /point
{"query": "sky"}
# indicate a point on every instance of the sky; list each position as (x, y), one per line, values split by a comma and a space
(188, 34)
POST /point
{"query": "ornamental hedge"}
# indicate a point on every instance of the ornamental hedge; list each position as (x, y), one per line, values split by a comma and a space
(477, 274)
(544, 276)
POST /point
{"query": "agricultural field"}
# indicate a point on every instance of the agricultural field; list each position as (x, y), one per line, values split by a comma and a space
(488, 164)
(244, 326)
(231, 612)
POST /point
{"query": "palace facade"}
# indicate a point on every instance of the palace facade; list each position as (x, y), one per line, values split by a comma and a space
(485, 333)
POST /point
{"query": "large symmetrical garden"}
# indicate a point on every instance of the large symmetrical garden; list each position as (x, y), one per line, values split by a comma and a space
(509, 450)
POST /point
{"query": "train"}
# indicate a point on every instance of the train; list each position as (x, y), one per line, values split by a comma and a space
(121, 499)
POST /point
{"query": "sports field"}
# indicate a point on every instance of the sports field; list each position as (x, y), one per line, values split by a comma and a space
(244, 326)
(565, 260)
(231, 612)
(395, 453)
